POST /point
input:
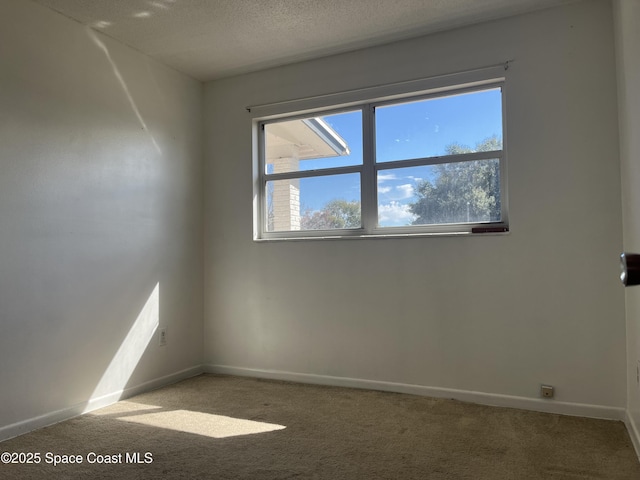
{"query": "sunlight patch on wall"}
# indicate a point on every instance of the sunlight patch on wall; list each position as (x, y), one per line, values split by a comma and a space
(101, 24)
(124, 362)
(123, 84)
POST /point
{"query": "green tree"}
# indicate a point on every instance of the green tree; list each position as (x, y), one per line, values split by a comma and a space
(337, 213)
(461, 191)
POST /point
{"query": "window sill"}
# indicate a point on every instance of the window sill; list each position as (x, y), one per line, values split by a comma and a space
(381, 236)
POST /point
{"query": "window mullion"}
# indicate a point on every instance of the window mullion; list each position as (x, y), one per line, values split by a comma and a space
(456, 158)
(369, 188)
(325, 172)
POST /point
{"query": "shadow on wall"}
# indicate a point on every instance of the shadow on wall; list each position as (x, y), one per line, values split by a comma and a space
(86, 247)
(117, 375)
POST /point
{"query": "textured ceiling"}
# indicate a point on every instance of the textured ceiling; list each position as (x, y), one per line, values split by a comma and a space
(210, 39)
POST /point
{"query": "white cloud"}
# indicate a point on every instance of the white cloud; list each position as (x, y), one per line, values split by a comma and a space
(406, 190)
(384, 189)
(395, 214)
(386, 177)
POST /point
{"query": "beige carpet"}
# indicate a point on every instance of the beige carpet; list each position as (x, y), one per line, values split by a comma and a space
(222, 427)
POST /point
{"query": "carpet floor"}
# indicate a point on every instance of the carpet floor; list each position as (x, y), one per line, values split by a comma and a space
(224, 427)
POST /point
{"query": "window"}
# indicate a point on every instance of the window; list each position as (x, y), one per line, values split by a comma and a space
(411, 164)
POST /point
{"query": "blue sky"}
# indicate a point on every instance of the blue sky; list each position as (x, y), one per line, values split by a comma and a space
(403, 131)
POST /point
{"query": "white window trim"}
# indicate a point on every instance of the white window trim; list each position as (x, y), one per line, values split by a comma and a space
(366, 100)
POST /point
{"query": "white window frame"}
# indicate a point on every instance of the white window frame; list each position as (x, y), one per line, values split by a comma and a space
(367, 100)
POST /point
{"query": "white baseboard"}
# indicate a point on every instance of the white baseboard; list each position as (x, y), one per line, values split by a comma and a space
(634, 432)
(540, 405)
(50, 418)
(497, 400)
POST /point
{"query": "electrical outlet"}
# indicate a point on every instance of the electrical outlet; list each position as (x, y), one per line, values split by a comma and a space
(546, 391)
(163, 336)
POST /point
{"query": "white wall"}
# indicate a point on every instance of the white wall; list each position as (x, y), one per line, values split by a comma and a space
(627, 19)
(494, 314)
(100, 201)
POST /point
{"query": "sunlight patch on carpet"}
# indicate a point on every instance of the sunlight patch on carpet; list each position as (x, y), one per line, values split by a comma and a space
(206, 424)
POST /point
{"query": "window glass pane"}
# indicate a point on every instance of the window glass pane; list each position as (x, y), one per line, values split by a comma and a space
(461, 192)
(317, 203)
(312, 143)
(461, 123)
